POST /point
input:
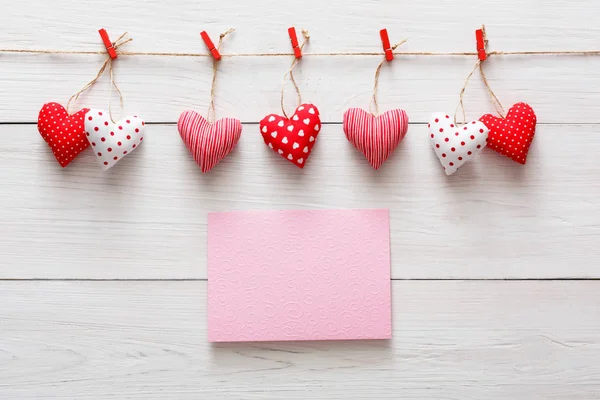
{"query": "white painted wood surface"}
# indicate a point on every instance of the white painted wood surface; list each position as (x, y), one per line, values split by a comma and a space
(146, 218)
(452, 340)
(139, 334)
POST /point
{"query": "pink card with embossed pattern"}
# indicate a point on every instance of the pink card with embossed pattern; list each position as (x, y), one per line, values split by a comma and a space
(299, 275)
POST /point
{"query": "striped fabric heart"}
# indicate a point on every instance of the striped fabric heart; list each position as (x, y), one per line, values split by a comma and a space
(209, 143)
(375, 137)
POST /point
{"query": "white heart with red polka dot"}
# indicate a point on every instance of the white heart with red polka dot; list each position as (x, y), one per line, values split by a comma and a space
(112, 141)
(455, 144)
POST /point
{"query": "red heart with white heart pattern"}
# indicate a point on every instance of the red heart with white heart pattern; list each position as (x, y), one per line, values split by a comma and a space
(375, 137)
(111, 141)
(209, 143)
(292, 138)
(512, 135)
(64, 133)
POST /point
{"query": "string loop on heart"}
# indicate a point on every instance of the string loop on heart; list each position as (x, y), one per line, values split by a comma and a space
(107, 64)
(211, 108)
(376, 83)
(479, 65)
(291, 75)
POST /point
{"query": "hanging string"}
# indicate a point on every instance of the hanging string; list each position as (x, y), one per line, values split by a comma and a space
(291, 74)
(495, 100)
(107, 64)
(462, 92)
(349, 54)
(211, 108)
(376, 83)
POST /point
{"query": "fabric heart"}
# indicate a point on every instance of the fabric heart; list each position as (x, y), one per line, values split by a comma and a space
(292, 138)
(455, 145)
(64, 133)
(375, 137)
(512, 136)
(112, 141)
(209, 143)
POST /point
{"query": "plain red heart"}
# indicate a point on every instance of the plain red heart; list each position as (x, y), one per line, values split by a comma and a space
(292, 138)
(512, 135)
(64, 133)
(209, 143)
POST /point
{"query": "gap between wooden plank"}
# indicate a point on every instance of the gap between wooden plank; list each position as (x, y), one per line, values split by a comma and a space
(206, 280)
(332, 123)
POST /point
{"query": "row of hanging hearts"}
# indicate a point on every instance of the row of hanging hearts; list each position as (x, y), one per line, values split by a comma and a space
(292, 138)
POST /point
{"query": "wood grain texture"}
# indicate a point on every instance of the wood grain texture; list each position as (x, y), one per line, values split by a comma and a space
(146, 218)
(452, 340)
(160, 88)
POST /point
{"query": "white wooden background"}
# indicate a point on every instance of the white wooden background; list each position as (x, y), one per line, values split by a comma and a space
(496, 270)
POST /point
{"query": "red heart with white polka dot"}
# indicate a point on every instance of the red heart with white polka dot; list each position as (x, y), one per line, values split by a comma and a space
(512, 136)
(292, 138)
(64, 133)
(112, 141)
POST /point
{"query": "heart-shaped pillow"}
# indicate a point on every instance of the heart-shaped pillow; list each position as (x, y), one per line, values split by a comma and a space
(64, 133)
(455, 145)
(112, 141)
(375, 137)
(209, 143)
(512, 136)
(292, 138)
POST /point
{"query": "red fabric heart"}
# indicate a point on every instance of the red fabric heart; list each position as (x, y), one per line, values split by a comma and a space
(292, 138)
(209, 143)
(375, 137)
(512, 136)
(64, 133)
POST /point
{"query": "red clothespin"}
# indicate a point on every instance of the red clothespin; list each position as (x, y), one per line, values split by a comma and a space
(210, 45)
(108, 44)
(387, 47)
(294, 39)
(480, 37)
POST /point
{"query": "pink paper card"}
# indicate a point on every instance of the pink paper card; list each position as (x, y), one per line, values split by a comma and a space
(299, 275)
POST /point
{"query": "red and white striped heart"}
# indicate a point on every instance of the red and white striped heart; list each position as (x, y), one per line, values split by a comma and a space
(455, 145)
(375, 137)
(208, 143)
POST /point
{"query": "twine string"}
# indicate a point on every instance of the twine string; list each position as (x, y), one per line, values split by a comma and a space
(376, 83)
(350, 54)
(107, 64)
(211, 108)
(462, 92)
(495, 100)
(290, 72)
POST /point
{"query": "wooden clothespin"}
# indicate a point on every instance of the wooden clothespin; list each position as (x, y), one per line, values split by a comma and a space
(294, 39)
(108, 44)
(211, 47)
(387, 47)
(481, 42)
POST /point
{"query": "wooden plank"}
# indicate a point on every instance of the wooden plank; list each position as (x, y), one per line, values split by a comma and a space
(337, 25)
(160, 88)
(148, 340)
(146, 218)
